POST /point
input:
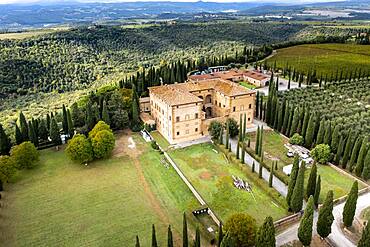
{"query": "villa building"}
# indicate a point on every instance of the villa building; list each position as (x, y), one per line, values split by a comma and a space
(251, 76)
(183, 111)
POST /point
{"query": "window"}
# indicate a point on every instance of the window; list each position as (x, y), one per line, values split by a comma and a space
(223, 106)
(170, 118)
(196, 115)
(234, 109)
(177, 119)
(196, 129)
(178, 133)
(242, 107)
(249, 119)
(215, 102)
(250, 106)
(219, 104)
(187, 117)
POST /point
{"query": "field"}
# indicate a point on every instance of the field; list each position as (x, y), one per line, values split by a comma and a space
(247, 85)
(30, 34)
(210, 173)
(324, 58)
(331, 179)
(105, 204)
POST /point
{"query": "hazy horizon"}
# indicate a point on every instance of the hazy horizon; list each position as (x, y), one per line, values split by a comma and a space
(123, 1)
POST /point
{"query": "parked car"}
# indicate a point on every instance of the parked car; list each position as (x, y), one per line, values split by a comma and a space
(290, 154)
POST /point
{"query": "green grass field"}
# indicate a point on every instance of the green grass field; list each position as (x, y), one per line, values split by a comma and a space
(247, 85)
(210, 173)
(324, 58)
(331, 179)
(160, 139)
(60, 203)
(30, 34)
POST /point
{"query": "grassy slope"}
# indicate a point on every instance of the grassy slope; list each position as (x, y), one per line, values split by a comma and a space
(64, 204)
(325, 58)
(205, 169)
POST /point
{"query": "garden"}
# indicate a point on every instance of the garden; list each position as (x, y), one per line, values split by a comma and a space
(211, 173)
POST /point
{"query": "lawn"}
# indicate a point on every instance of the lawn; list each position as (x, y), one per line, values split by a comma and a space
(162, 142)
(331, 179)
(60, 203)
(247, 85)
(210, 173)
(365, 214)
(324, 58)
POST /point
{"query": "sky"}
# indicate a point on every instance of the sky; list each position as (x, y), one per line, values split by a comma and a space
(46, 1)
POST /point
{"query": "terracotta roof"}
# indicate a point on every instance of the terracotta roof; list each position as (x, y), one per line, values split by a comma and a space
(178, 94)
(173, 95)
(202, 77)
(255, 75)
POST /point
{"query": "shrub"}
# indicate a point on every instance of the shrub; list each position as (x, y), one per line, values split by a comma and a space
(233, 127)
(296, 139)
(242, 229)
(25, 155)
(79, 149)
(101, 125)
(154, 145)
(321, 153)
(103, 144)
(215, 129)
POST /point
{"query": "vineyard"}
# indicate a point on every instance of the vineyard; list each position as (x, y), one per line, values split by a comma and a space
(337, 114)
(325, 60)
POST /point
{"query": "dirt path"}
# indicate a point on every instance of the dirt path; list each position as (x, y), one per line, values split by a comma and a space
(125, 145)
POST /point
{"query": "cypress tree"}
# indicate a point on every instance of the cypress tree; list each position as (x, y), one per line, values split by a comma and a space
(197, 238)
(43, 131)
(260, 142)
(317, 191)
(220, 235)
(286, 119)
(105, 115)
(310, 131)
(135, 107)
(350, 206)
(244, 127)
(185, 242)
(366, 171)
(260, 171)
(295, 120)
(221, 137)
(169, 237)
(32, 134)
(253, 167)
(54, 133)
(327, 135)
(361, 157)
(335, 138)
(339, 150)
(365, 238)
(154, 238)
(291, 113)
(257, 140)
(347, 149)
(305, 122)
(23, 127)
(311, 183)
(18, 135)
(321, 132)
(137, 241)
(271, 175)
(257, 104)
(227, 135)
(5, 144)
(90, 120)
(70, 124)
(237, 149)
(266, 234)
(293, 178)
(305, 226)
(65, 120)
(326, 217)
(355, 153)
(296, 202)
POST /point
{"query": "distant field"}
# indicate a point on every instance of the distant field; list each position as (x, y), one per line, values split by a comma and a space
(324, 58)
(29, 34)
(105, 204)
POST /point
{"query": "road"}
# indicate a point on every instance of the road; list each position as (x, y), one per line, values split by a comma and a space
(248, 160)
(336, 237)
(283, 85)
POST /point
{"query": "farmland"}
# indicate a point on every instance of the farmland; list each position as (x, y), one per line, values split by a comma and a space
(107, 203)
(326, 59)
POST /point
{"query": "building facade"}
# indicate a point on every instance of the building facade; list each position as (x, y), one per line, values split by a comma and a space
(183, 112)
